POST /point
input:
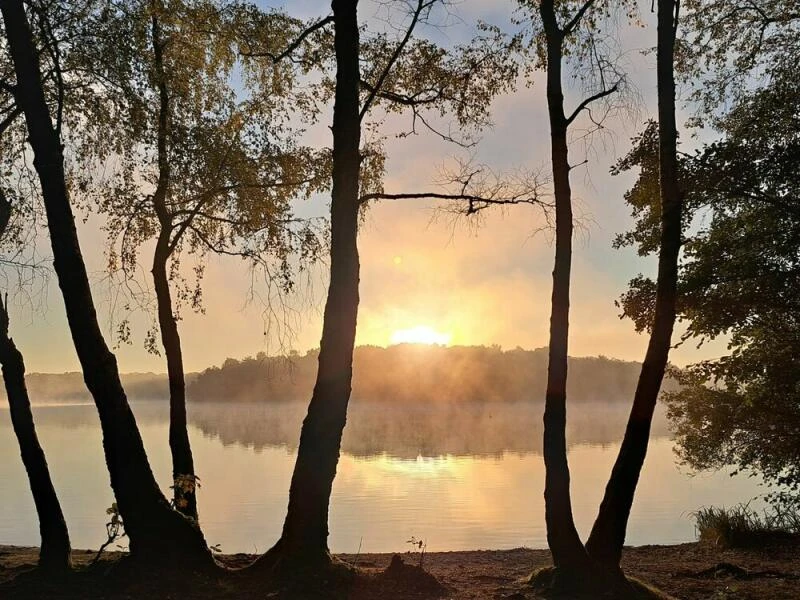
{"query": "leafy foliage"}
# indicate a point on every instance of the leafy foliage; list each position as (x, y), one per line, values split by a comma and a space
(212, 165)
(740, 278)
(731, 47)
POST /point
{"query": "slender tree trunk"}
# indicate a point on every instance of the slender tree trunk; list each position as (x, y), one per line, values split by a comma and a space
(54, 552)
(156, 532)
(562, 536)
(184, 480)
(608, 534)
(305, 531)
(183, 476)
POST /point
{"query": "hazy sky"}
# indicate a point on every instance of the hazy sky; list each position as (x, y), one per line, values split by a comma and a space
(478, 285)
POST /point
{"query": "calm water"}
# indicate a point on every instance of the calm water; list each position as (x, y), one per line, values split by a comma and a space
(461, 477)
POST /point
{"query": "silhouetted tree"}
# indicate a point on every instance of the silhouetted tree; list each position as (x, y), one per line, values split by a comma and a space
(739, 268)
(198, 166)
(396, 79)
(157, 532)
(608, 533)
(566, 28)
(305, 530)
(54, 552)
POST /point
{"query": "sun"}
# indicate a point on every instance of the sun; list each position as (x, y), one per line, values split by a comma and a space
(420, 334)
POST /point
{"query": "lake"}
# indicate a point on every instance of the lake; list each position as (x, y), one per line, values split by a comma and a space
(461, 477)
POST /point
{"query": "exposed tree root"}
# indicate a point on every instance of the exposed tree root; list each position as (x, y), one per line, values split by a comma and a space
(299, 575)
(549, 582)
(287, 575)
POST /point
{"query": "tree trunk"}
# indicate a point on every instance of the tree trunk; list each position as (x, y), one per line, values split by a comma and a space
(608, 534)
(183, 476)
(305, 531)
(562, 536)
(184, 480)
(156, 532)
(55, 551)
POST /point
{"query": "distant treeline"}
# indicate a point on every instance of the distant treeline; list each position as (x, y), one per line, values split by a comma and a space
(406, 373)
(69, 387)
(419, 373)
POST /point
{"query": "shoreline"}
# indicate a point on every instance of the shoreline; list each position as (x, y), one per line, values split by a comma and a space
(691, 571)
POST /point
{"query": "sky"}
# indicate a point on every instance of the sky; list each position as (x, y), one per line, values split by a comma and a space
(421, 269)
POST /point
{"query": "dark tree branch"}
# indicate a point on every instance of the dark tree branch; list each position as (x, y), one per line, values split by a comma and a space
(404, 99)
(475, 203)
(421, 5)
(10, 118)
(218, 249)
(294, 45)
(573, 23)
(587, 101)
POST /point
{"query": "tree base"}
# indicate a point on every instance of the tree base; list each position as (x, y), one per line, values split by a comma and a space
(309, 574)
(319, 575)
(172, 541)
(551, 582)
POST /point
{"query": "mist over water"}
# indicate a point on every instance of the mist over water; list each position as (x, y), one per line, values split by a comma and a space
(460, 475)
(417, 429)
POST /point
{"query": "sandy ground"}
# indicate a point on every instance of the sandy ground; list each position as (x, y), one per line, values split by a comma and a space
(686, 571)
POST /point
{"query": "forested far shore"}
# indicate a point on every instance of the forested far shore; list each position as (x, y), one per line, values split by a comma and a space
(402, 373)
(50, 388)
(420, 373)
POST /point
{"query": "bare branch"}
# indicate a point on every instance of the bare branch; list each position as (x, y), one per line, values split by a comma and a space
(417, 99)
(478, 187)
(475, 203)
(587, 101)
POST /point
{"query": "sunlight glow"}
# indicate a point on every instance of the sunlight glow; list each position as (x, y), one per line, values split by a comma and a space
(420, 334)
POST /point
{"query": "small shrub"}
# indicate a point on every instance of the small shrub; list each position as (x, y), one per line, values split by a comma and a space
(115, 530)
(419, 546)
(741, 525)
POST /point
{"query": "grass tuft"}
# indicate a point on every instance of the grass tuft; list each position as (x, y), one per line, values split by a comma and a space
(742, 526)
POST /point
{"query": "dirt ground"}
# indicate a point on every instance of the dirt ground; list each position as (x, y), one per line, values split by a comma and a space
(686, 571)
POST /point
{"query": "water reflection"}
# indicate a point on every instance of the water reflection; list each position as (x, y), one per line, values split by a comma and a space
(462, 477)
(373, 429)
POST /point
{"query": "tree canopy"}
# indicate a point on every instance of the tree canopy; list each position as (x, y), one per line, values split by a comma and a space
(740, 279)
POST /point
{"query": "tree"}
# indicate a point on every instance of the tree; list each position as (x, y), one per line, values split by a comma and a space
(356, 180)
(731, 46)
(156, 531)
(55, 552)
(566, 28)
(305, 530)
(201, 167)
(739, 278)
(608, 532)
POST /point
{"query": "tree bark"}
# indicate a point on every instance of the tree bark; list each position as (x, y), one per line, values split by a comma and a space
(157, 533)
(184, 480)
(55, 553)
(608, 533)
(562, 536)
(183, 475)
(305, 531)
